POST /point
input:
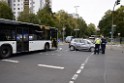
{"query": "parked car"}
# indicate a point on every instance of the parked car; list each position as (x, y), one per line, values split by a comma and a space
(81, 44)
(68, 39)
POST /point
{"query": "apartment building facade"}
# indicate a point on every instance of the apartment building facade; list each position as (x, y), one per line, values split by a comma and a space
(32, 6)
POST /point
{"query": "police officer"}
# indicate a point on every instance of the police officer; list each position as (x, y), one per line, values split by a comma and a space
(103, 44)
(97, 45)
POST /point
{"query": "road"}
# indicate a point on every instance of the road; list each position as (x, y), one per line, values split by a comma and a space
(64, 66)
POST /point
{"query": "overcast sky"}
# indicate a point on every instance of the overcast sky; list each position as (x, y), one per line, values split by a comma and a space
(90, 10)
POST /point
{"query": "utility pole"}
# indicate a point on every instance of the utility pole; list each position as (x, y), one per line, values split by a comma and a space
(77, 16)
(113, 26)
(76, 9)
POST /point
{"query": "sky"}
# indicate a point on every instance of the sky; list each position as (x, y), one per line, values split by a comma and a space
(90, 10)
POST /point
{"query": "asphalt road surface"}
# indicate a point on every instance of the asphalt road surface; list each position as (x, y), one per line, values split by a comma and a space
(64, 66)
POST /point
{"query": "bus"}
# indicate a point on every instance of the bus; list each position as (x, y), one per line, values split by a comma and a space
(18, 37)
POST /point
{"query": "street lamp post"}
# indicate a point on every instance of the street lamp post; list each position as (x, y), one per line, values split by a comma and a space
(63, 33)
(112, 27)
(76, 9)
(76, 30)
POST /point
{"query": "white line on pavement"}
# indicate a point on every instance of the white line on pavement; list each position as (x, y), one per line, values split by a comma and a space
(50, 66)
(82, 67)
(75, 77)
(71, 81)
(10, 60)
(78, 71)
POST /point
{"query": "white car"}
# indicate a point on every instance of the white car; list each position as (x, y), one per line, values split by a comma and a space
(81, 44)
(68, 39)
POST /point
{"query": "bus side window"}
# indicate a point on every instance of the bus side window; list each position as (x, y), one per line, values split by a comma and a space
(3, 37)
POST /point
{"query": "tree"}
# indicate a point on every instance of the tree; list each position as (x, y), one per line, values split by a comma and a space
(119, 21)
(28, 17)
(45, 15)
(5, 11)
(91, 29)
(81, 24)
(106, 23)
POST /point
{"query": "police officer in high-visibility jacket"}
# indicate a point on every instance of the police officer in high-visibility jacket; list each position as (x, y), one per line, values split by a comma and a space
(97, 45)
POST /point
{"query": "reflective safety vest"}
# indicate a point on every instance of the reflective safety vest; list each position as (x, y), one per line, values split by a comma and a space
(97, 41)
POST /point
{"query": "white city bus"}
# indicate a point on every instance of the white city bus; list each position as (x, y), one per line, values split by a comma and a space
(18, 37)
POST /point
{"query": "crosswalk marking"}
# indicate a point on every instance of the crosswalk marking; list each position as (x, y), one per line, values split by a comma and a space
(50, 66)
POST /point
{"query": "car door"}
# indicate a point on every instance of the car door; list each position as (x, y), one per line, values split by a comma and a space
(83, 45)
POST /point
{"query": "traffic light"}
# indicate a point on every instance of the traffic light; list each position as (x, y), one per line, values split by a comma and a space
(117, 2)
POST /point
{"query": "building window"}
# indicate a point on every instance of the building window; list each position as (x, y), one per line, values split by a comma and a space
(18, 0)
(14, 8)
(14, 4)
(14, 0)
(18, 8)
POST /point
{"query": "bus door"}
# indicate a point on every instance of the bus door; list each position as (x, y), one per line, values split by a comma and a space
(22, 40)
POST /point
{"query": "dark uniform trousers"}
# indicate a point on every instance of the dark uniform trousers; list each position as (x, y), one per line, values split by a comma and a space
(96, 48)
(103, 47)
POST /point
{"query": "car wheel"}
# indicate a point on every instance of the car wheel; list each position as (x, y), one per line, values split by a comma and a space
(72, 48)
(91, 49)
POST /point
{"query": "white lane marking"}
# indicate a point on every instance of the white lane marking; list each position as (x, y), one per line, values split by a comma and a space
(50, 66)
(82, 67)
(79, 71)
(82, 64)
(71, 81)
(86, 60)
(75, 77)
(10, 60)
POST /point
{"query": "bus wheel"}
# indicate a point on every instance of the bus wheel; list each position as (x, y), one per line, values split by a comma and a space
(5, 51)
(46, 48)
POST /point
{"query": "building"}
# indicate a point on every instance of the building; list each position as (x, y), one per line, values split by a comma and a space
(35, 5)
(4, 0)
(31, 6)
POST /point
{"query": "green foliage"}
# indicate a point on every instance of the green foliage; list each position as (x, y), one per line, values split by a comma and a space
(118, 20)
(91, 29)
(5, 11)
(60, 19)
(70, 23)
(105, 24)
(45, 15)
(45, 18)
(28, 17)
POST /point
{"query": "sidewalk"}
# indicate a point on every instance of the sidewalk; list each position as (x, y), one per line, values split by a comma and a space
(115, 45)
